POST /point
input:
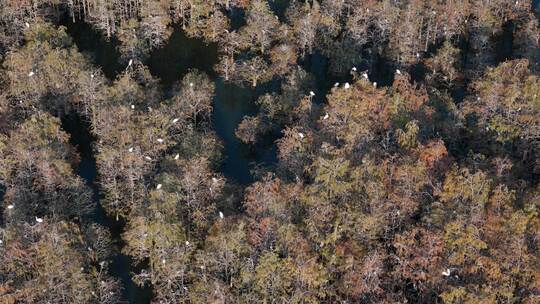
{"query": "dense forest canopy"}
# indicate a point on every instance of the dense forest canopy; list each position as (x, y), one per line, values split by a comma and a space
(404, 143)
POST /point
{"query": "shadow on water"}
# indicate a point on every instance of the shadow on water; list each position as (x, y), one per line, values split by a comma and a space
(102, 51)
(181, 53)
(121, 265)
(231, 102)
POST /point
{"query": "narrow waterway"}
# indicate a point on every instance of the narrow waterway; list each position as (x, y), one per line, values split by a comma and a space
(121, 264)
(169, 64)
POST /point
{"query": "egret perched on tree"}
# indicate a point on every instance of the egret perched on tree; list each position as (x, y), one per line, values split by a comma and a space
(39, 220)
(133, 107)
(10, 206)
(130, 149)
(374, 84)
(130, 62)
(326, 116)
(160, 140)
(187, 243)
(398, 72)
(214, 180)
(31, 74)
(311, 93)
(158, 186)
(177, 156)
(447, 272)
(191, 84)
(365, 75)
(336, 84)
(347, 86)
(27, 24)
(353, 69)
(92, 75)
(148, 158)
(300, 134)
(175, 120)
(221, 216)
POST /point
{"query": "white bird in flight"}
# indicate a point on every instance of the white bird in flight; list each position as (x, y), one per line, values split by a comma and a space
(39, 220)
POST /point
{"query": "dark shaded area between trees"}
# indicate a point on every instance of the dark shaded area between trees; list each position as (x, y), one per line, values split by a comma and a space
(250, 151)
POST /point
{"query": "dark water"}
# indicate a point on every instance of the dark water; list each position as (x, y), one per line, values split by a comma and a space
(180, 54)
(103, 51)
(168, 63)
(121, 265)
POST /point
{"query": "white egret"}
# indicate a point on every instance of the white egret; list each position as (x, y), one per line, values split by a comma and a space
(27, 24)
(148, 158)
(365, 75)
(447, 272)
(158, 186)
(221, 216)
(353, 69)
(375, 85)
(187, 243)
(10, 206)
(39, 220)
(31, 74)
(130, 149)
(311, 93)
(398, 72)
(191, 84)
(175, 120)
(300, 134)
(214, 180)
(160, 140)
(130, 62)
(132, 107)
(177, 156)
(326, 116)
(92, 75)
(347, 86)
(336, 84)
(163, 261)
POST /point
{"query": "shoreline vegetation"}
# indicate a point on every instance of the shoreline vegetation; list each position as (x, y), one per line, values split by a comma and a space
(280, 151)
